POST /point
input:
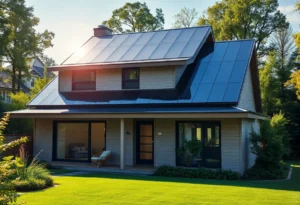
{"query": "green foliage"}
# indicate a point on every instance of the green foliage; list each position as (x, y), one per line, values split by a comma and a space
(39, 85)
(269, 86)
(262, 173)
(7, 167)
(135, 17)
(190, 149)
(244, 19)
(185, 18)
(267, 146)
(30, 184)
(23, 43)
(278, 123)
(35, 176)
(169, 171)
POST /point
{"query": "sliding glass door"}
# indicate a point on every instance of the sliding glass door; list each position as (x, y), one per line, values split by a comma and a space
(78, 140)
(208, 137)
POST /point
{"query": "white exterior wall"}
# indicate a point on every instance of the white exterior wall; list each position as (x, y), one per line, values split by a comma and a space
(231, 144)
(157, 77)
(246, 100)
(65, 81)
(113, 140)
(43, 139)
(110, 79)
(165, 144)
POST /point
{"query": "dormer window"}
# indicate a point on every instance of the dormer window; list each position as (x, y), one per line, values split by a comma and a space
(84, 80)
(130, 78)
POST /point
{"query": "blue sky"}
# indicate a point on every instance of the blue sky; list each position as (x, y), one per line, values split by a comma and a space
(73, 21)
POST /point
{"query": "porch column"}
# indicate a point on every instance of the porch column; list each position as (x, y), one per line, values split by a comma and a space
(122, 144)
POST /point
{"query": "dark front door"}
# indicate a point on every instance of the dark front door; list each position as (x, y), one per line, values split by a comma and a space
(211, 146)
(144, 143)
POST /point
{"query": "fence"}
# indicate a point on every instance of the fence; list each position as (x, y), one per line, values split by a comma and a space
(15, 151)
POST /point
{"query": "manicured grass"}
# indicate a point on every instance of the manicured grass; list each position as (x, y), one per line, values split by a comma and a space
(114, 189)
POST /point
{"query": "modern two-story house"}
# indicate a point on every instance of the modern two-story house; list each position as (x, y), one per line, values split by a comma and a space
(140, 95)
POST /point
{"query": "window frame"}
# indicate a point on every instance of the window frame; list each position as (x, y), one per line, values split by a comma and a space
(124, 81)
(83, 82)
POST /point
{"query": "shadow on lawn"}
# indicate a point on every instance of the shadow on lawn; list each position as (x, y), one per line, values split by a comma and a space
(290, 185)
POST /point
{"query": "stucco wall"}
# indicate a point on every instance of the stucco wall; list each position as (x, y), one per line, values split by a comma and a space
(43, 139)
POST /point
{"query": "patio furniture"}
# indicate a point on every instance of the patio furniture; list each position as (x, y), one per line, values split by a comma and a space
(78, 150)
(102, 159)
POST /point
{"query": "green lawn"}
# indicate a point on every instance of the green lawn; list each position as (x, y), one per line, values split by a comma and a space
(115, 189)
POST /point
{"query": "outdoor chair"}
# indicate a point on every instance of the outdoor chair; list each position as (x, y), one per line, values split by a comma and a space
(102, 159)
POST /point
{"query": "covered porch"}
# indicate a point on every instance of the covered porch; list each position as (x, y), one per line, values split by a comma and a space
(138, 137)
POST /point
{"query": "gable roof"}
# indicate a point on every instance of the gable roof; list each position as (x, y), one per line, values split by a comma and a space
(215, 77)
(154, 46)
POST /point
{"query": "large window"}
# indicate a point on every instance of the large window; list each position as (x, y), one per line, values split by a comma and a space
(208, 136)
(78, 140)
(84, 80)
(130, 78)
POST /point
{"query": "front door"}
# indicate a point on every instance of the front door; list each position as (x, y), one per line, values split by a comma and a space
(144, 136)
(211, 145)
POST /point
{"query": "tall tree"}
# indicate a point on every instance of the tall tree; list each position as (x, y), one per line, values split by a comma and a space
(24, 43)
(135, 17)
(185, 18)
(283, 44)
(295, 77)
(269, 86)
(244, 19)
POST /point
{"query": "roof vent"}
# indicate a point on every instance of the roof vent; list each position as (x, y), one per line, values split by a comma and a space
(102, 31)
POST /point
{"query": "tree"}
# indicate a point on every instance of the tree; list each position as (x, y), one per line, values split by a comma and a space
(244, 19)
(24, 42)
(269, 86)
(295, 77)
(285, 50)
(39, 85)
(48, 61)
(135, 17)
(185, 18)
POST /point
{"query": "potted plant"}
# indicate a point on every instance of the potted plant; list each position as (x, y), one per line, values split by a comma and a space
(189, 150)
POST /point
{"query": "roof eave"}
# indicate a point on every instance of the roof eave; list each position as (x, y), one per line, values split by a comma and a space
(165, 62)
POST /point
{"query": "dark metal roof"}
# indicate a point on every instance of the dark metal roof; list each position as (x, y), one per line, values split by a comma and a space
(216, 76)
(143, 46)
(6, 83)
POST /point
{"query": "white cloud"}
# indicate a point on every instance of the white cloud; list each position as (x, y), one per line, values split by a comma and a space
(292, 15)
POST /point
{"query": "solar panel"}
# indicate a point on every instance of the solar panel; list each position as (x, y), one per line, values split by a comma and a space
(218, 77)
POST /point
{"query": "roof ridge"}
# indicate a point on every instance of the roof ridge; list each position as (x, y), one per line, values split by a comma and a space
(193, 27)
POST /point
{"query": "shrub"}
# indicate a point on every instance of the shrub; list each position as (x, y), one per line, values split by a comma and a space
(34, 176)
(190, 149)
(261, 173)
(30, 184)
(269, 149)
(201, 173)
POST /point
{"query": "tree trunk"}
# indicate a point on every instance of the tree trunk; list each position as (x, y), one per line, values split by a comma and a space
(19, 80)
(13, 78)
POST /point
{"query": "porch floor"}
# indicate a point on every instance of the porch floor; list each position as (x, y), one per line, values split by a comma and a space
(87, 167)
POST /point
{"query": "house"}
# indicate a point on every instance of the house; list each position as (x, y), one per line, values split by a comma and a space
(36, 71)
(140, 95)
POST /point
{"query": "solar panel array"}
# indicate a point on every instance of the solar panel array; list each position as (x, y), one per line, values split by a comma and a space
(218, 78)
(221, 71)
(156, 45)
